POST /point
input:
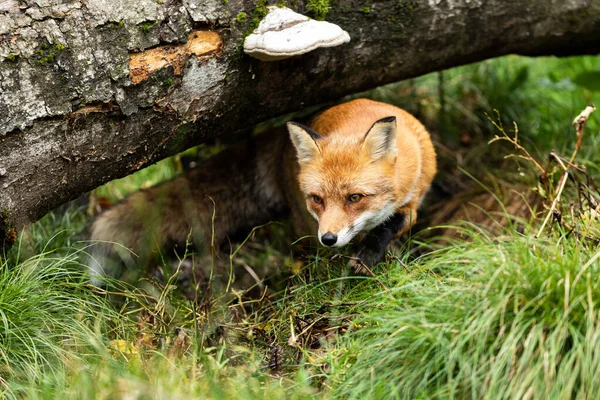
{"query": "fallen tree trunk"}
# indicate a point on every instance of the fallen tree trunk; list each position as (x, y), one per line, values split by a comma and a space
(93, 90)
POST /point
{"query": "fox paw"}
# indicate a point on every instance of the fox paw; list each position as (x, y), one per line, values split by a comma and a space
(364, 260)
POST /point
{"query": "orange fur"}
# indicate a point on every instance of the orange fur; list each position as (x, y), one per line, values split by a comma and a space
(339, 165)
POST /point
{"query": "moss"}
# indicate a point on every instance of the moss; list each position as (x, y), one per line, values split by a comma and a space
(45, 60)
(397, 15)
(115, 25)
(13, 58)
(318, 8)
(147, 25)
(168, 81)
(253, 20)
(403, 14)
(241, 17)
(47, 52)
(260, 10)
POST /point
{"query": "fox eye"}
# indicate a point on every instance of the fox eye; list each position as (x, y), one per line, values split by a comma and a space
(316, 199)
(355, 198)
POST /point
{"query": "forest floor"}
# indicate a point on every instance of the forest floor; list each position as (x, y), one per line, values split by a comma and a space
(494, 295)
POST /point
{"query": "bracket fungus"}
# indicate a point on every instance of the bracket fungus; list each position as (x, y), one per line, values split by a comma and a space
(284, 33)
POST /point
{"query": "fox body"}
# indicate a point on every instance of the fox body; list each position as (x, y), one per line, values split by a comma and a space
(358, 171)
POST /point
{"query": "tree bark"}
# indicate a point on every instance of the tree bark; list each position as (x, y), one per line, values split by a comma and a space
(93, 90)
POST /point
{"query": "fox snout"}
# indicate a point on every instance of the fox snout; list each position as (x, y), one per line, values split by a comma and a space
(337, 238)
(329, 239)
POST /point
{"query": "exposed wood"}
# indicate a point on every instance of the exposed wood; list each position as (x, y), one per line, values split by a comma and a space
(93, 90)
(200, 43)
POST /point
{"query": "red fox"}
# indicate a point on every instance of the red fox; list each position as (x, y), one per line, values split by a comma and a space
(359, 170)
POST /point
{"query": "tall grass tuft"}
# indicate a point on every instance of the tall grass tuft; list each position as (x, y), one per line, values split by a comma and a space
(48, 317)
(505, 318)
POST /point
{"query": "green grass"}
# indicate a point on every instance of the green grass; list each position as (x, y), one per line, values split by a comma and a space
(49, 318)
(163, 377)
(503, 315)
(496, 318)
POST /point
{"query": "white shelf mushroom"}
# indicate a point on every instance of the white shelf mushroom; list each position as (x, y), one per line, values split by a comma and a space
(284, 33)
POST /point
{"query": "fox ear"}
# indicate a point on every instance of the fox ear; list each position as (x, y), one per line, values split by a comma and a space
(380, 141)
(304, 140)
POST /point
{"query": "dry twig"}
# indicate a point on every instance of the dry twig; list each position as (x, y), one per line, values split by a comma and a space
(579, 122)
(515, 142)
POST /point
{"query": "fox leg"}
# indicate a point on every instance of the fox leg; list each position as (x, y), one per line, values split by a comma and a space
(410, 215)
(371, 250)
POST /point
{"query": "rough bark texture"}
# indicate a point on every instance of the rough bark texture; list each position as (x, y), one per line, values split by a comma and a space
(92, 90)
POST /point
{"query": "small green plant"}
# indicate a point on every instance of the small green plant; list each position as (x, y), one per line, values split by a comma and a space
(366, 9)
(318, 8)
(241, 17)
(115, 25)
(147, 25)
(260, 10)
(47, 52)
(12, 57)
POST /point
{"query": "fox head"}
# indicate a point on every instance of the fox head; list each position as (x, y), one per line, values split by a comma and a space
(347, 180)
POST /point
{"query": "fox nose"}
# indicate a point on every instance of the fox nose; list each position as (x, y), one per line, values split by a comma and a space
(328, 239)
